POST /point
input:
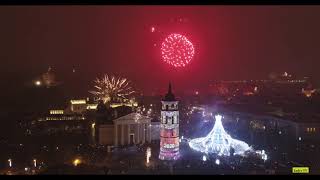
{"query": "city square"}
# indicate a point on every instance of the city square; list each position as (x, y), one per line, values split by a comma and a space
(159, 90)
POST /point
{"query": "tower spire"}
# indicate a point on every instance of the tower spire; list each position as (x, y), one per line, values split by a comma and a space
(169, 96)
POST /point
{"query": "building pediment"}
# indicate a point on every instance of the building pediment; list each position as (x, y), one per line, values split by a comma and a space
(132, 118)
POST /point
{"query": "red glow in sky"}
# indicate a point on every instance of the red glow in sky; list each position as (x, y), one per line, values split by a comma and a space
(177, 50)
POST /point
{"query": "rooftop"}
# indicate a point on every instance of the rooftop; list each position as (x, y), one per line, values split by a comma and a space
(133, 118)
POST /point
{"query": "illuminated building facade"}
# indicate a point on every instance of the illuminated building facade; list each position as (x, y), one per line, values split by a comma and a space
(78, 105)
(56, 111)
(169, 128)
(130, 129)
(82, 105)
(69, 128)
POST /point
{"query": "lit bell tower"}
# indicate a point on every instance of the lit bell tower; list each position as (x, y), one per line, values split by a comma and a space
(169, 128)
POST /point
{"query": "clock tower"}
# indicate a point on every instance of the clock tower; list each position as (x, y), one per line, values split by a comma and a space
(169, 128)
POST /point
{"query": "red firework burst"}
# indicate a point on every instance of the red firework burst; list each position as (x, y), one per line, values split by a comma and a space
(177, 50)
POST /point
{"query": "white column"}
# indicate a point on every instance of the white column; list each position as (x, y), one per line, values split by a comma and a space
(128, 134)
(149, 132)
(93, 134)
(138, 133)
(122, 135)
(115, 135)
(144, 133)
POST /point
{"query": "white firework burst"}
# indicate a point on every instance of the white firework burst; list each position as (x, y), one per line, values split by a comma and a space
(114, 89)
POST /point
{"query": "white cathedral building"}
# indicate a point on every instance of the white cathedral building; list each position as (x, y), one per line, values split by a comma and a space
(130, 129)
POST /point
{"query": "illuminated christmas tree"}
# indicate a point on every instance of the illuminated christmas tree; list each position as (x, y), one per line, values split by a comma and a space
(219, 142)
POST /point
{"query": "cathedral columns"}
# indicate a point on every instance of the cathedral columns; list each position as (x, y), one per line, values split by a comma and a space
(149, 133)
(128, 135)
(122, 135)
(143, 133)
(138, 133)
(116, 134)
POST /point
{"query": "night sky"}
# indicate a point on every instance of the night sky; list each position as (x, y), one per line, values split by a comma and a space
(231, 43)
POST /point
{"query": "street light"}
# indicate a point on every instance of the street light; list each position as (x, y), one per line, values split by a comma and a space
(37, 83)
(204, 158)
(35, 162)
(10, 162)
(76, 162)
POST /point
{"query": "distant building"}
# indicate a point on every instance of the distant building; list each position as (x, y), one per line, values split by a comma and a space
(64, 128)
(47, 79)
(83, 105)
(306, 128)
(78, 105)
(83, 117)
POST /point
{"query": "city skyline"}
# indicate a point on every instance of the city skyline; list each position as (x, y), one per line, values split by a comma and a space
(159, 90)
